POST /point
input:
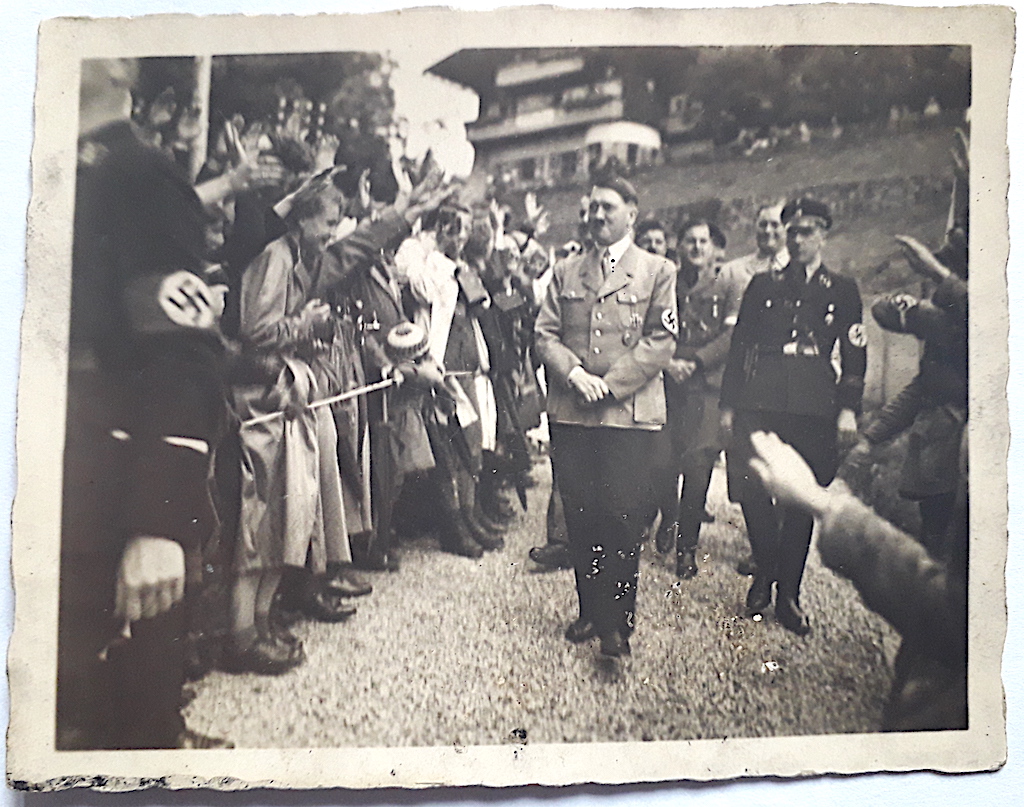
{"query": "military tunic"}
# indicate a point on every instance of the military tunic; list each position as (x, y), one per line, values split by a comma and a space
(780, 359)
(707, 312)
(780, 377)
(620, 326)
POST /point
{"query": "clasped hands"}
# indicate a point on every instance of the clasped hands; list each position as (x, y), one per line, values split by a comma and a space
(592, 388)
(315, 318)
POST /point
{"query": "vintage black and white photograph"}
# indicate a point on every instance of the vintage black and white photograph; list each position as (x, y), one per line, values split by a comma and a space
(495, 393)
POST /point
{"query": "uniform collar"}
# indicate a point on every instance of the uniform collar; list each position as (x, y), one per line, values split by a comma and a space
(821, 275)
(615, 251)
(622, 268)
(779, 260)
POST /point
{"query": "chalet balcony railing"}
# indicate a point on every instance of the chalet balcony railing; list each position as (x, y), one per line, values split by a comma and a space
(545, 119)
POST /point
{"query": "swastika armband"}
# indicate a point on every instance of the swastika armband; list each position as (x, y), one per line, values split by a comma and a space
(669, 321)
(175, 301)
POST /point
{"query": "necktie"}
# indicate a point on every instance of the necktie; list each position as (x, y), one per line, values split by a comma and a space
(607, 263)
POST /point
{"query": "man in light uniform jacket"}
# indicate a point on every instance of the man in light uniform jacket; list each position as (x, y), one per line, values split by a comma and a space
(605, 333)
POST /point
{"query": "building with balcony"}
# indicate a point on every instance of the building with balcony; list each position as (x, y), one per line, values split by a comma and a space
(548, 116)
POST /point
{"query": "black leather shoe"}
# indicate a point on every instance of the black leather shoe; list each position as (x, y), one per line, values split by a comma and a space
(261, 657)
(346, 583)
(551, 556)
(487, 539)
(614, 645)
(462, 544)
(760, 595)
(792, 617)
(378, 560)
(746, 566)
(580, 631)
(488, 523)
(668, 534)
(324, 607)
(271, 628)
(686, 565)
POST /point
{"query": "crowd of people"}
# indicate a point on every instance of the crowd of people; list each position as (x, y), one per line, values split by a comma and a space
(274, 386)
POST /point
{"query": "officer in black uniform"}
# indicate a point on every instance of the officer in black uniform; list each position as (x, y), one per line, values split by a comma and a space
(146, 410)
(779, 378)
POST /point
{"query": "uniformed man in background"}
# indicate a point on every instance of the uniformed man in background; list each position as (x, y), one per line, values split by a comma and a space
(605, 332)
(771, 255)
(706, 316)
(779, 378)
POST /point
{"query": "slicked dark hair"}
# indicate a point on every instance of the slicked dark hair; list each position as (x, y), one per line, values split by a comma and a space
(650, 224)
(717, 236)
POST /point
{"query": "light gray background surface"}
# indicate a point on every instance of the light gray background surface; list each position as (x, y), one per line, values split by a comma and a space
(18, 24)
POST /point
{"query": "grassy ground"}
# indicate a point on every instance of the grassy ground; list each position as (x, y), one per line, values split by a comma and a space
(451, 651)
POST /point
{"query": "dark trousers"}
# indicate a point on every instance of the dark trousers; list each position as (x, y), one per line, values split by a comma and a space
(936, 514)
(604, 480)
(780, 536)
(688, 510)
(130, 695)
(557, 534)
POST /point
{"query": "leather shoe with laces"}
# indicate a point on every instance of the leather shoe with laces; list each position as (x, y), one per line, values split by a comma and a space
(346, 583)
(580, 631)
(551, 556)
(261, 656)
(325, 607)
(792, 617)
(760, 595)
(686, 565)
(615, 645)
(668, 534)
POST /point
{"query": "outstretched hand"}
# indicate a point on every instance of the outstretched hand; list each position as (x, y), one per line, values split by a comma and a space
(786, 475)
(921, 259)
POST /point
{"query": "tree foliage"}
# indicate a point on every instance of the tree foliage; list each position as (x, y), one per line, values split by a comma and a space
(784, 85)
(353, 86)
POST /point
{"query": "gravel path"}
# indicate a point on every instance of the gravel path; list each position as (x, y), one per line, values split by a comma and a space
(454, 651)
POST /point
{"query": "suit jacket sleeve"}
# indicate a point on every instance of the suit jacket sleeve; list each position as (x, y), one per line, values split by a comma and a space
(852, 350)
(743, 337)
(358, 251)
(895, 576)
(558, 359)
(653, 351)
(897, 415)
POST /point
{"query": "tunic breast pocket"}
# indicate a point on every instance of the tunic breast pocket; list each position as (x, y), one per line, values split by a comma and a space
(632, 307)
(575, 310)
